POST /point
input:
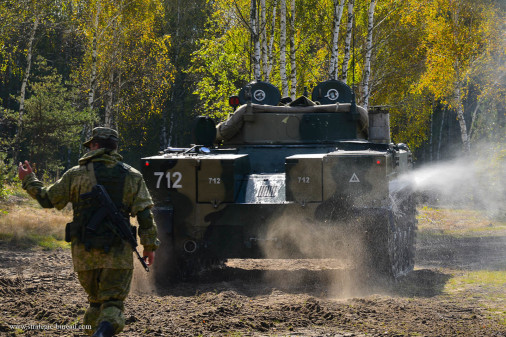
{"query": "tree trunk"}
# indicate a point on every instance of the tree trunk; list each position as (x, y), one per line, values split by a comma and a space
(460, 117)
(338, 13)
(108, 117)
(271, 42)
(431, 143)
(19, 132)
(347, 40)
(293, 65)
(256, 41)
(94, 60)
(473, 120)
(440, 135)
(282, 47)
(263, 30)
(368, 52)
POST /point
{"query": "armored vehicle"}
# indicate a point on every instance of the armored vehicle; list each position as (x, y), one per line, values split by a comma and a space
(309, 178)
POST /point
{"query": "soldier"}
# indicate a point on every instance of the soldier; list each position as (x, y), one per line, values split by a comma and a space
(103, 262)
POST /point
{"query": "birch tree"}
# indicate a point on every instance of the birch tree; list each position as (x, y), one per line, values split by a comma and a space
(293, 50)
(263, 38)
(94, 56)
(282, 47)
(347, 40)
(29, 54)
(271, 42)
(334, 57)
(256, 40)
(368, 53)
(126, 62)
(455, 43)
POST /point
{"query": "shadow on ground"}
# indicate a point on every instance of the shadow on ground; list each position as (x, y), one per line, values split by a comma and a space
(462, 253)
(320, 283)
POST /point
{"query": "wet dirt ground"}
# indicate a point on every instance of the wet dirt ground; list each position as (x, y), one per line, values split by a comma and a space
(272, 297)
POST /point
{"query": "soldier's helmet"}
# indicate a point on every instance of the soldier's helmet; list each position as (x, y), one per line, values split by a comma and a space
(102, 133)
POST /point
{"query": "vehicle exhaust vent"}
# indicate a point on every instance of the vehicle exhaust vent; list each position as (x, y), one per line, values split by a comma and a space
(267, 191)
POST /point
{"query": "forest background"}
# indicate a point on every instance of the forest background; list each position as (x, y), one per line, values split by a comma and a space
(149, 67)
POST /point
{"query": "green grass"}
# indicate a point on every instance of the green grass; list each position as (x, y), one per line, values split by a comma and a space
(486, 278)
(483, 286)
(46, 242)
(458, 223)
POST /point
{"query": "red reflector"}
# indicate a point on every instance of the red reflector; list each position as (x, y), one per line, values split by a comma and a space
(378, 161)
(146, 163)
(234, 101)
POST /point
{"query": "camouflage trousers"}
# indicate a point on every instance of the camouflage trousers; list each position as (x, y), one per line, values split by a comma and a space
(106, 289)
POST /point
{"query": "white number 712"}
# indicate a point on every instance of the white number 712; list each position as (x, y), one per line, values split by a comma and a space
(175, 175)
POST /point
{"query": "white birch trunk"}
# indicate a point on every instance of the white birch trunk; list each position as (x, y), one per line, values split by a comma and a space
(271, 42)
(473, 120)
(460, 117)
(431, 136)
(282, 47)
(171, 129)
(347, 41)
(333, 65)
(108, 117)
(440, 135)
(256, 41)
(19, 131)
(94, 60)
(263, 35)
(293, 49)
(368, 52)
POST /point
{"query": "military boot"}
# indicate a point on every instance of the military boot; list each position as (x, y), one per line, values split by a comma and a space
(105, 329)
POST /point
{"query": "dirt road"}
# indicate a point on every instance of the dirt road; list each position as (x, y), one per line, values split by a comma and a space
(449, 293)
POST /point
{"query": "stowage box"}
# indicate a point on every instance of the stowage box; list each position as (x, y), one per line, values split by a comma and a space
(219, 177)
(304, 177)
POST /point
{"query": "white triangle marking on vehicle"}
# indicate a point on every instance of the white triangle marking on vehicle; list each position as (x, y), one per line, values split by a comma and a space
(354, 179)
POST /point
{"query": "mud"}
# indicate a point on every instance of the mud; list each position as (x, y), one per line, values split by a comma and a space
(268, 297)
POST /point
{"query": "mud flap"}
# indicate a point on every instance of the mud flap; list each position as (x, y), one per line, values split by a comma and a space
(164, 218)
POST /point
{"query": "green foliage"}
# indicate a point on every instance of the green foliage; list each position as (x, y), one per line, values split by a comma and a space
(53, 123)
(421, 51)
(147, 61)
(223, 61)
(7, 175)
(126, 65)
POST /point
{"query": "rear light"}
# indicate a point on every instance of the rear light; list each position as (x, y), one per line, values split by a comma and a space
(378, 161)
(146, 163)
(234, 101)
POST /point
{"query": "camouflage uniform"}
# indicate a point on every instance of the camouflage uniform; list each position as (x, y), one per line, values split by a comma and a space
(105, 276)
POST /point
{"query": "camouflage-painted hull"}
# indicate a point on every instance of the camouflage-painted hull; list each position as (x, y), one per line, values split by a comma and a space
(306, 202)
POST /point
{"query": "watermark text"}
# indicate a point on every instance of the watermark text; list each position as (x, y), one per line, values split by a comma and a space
(49, 327)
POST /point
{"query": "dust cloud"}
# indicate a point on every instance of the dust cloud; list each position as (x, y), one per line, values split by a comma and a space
(304, 253)
(143, 281)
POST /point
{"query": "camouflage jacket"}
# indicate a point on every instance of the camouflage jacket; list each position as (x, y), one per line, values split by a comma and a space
(77, 181)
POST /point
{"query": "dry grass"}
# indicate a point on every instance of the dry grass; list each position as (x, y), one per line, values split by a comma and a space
(25, 224)
(460, 222)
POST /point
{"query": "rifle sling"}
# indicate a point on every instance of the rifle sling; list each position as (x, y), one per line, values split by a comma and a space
(91, 173)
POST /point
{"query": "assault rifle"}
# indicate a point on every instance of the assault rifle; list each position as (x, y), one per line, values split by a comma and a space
(109, 209)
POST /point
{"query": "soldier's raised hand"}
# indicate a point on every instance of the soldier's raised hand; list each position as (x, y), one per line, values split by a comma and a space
(22, 171)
